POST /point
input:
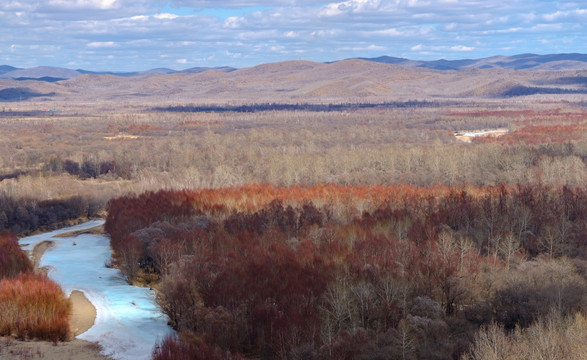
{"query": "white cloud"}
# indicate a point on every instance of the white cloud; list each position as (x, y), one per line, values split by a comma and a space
(546, 28)
(462, 48)
(350, 6)
(232, 22)
(554, 16)
(17, 5)
(324, 33)
(181, 61)
(415, 3)
(101, 44)
(331, 10)
(262, 31)
(503, 31)
(85, 4)
(278, 48)
(389, 32)
(165, 16)
(231, 4)
(233, 55)
(450, 26)
(375, 47)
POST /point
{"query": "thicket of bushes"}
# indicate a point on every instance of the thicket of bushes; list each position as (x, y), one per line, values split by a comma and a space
(23, 216)
(88, 168)
(13, 260)
(335, 272)
(31, 305)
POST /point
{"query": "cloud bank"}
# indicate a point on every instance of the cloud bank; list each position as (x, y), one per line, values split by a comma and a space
(143, 34)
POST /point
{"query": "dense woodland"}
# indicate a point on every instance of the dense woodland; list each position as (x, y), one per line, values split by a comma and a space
(372, 232)
(347, 272)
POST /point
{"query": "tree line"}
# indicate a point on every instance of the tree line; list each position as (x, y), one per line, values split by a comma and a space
(251, 108)
(23, 216)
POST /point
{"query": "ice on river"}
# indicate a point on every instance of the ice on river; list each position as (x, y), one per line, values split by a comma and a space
(128, 323)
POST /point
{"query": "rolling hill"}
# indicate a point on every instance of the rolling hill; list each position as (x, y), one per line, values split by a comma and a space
(52, 74)
(346, 81)
(516, 62)
(7, 68)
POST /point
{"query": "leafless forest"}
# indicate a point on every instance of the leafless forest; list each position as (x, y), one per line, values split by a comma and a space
(363, 217)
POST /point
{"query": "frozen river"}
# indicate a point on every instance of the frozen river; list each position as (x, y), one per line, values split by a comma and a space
(128, 322)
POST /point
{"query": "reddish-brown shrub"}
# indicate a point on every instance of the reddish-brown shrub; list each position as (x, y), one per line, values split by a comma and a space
(12, 259)
(172, 348)
(33, 307)
(276, 272)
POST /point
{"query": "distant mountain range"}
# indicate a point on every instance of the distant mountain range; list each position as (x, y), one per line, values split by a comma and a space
(516, 62)
(376, 80)
(54, 74)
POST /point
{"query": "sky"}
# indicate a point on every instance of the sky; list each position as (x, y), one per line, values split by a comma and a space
(135, 35)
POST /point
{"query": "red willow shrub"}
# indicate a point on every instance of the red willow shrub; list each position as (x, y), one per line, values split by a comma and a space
(299, 272)
(485, 213)
(13, 260)
(171, 348)
(33, 307)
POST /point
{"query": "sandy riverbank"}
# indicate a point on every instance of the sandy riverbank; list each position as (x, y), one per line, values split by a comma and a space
(83, 313)
(38, 252)
(75, 349)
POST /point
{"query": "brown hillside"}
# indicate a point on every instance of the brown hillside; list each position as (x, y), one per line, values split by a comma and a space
(303, 81)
